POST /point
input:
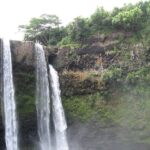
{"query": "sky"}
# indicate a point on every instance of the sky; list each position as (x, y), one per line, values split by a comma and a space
(18, 12)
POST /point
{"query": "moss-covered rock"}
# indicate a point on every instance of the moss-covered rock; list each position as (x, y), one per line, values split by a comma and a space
(25, 87)
(81, 83)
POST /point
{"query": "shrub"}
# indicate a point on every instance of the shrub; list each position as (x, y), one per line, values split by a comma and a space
(111, 75)
(141, 75)
(128, 19)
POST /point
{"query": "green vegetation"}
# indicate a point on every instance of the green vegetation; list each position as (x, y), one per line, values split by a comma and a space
(78, 30)
(142, 76)
(131, 18)
(112, 74)
(44, 29)
(84, 108)
(78, 108)
(129, 109)
(123, 97)
(25, 91)
(128, 19)
(134, 100)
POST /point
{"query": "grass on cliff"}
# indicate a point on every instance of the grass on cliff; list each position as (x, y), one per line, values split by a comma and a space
(82, 75)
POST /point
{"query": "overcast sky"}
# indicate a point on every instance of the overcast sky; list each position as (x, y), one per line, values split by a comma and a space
(16, 12)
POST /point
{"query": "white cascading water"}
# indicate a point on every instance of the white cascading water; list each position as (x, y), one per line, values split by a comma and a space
(58, 112)
(42, 98)
(9, 100)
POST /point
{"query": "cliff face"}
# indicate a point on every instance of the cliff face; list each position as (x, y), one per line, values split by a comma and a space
(23, 53)
(93, 57)
(93, 68)
(91, 79)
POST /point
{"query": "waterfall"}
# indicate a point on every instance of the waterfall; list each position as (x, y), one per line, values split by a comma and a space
(58, 112)
(9, 100)
(43, 104)
(42, 98)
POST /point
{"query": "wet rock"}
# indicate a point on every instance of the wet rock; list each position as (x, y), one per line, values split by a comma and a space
(23, 52)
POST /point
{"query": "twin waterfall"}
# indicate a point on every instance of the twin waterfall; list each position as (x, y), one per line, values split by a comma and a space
(43, 105)
(48, 103)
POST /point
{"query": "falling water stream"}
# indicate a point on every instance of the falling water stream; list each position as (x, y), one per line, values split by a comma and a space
(42, 99)
(58, 112)
(9, 100)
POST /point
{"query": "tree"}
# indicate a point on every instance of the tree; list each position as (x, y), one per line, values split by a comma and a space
(44, 29)
(78, 30)
(145, 7)
(100, 20)
(128, 19)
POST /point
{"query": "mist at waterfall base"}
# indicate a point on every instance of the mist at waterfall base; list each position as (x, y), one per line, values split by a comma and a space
(99, 134)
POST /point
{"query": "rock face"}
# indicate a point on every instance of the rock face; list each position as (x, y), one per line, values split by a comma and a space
(80, 74)
(78, 59)
(23, 52)
(92, 55)
(80, 84)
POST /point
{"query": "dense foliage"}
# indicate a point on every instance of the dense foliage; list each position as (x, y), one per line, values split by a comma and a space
(44, 29)
(48, 31)
(128, 19)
